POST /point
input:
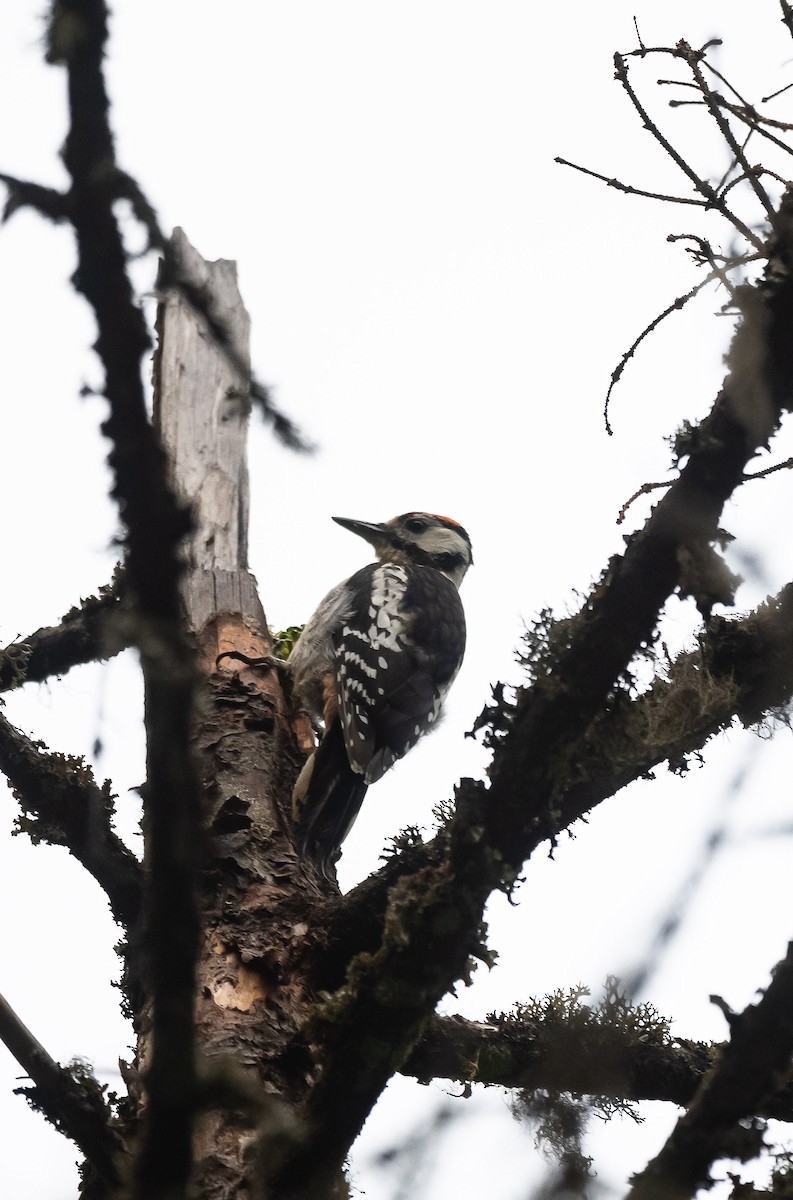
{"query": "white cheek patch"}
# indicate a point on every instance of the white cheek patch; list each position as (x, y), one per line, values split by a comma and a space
(441, 540)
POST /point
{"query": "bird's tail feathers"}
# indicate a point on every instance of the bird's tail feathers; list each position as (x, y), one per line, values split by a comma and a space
(326, 800)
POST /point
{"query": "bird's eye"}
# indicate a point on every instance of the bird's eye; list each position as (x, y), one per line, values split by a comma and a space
(415, 525)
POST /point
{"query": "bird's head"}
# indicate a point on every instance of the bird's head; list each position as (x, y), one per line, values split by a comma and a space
(423, 538)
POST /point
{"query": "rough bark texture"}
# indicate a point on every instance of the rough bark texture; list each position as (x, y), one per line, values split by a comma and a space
(254, 896)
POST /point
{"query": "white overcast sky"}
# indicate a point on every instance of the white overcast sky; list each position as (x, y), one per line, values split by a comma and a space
(440, 306)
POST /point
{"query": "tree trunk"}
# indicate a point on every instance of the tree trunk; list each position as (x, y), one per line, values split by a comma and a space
(258, 905)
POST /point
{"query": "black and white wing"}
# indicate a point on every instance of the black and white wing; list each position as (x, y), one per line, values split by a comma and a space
(396, 657)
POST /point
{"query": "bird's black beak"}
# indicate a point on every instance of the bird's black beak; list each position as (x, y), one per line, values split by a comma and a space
(377, 534)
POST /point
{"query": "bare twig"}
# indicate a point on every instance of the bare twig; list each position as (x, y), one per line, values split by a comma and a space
(756, 122)
(725, 129)
(629, 189)
(757, 1055)
(702, 186)
(644, 490)
(720, 268)
(638, 35)
(723, 79)
(719, 265)
(774, 95)
(675, 306)
(758, 171)
(783, 466)
(72, 1100)
(723, 187)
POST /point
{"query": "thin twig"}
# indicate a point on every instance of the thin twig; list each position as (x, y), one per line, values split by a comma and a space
(644, 490)
(739, 179)
(760, 124)
(702, 186)
(629, 189)
(720, 266)
(723, 78)
(783, 466)
(638, 35)
(704, 254)
(675, 306)
(726, 130)
(722, 187)
(746, 111)
(779, 92)
(74, 1103)
(750, 117)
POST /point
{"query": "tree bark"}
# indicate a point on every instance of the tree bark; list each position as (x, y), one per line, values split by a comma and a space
(255, 898)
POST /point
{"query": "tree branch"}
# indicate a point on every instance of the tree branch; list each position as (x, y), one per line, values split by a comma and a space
(92, 631)
(62, 805)
(71, 1100)
(565, 1054)
(757, 1055)
(531, 1052)
(155, 525)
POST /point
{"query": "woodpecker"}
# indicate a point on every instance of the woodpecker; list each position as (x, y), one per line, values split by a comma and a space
(374, 664)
